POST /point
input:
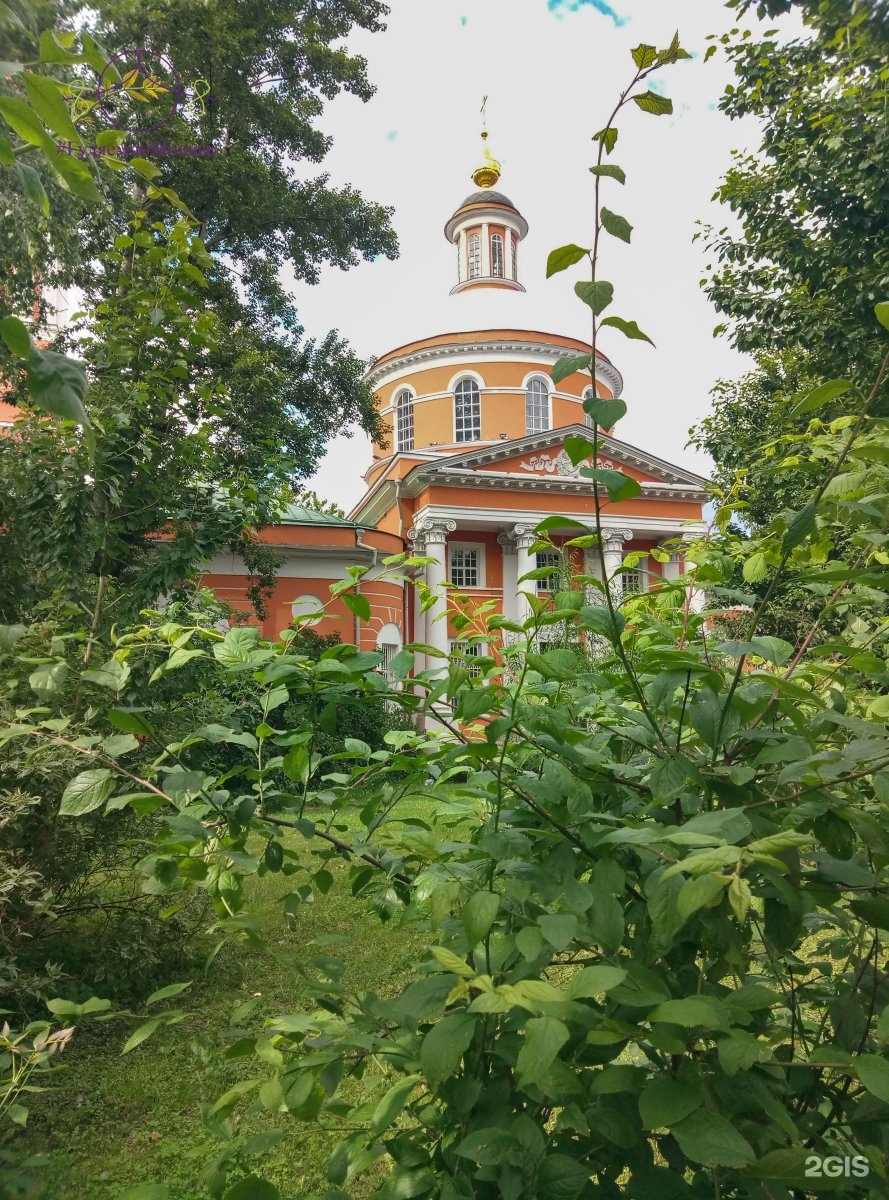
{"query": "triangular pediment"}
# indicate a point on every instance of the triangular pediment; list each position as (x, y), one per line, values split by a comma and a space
(543, 456)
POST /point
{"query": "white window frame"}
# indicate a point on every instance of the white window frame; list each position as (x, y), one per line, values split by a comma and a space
(474, 261)
(514, 241)
(498, 249)
(532, 395)
(542, 584)
(644, 576)
(389, 643)
(401, 424)
(588, 394)
(477, 425)
(479, 550)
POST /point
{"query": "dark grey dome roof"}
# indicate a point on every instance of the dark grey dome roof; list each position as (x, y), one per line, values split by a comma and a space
(487, 194)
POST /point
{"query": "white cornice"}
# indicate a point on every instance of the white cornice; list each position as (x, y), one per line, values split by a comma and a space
(485, 347)
(509, 517)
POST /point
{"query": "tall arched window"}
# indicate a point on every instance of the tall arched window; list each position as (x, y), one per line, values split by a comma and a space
(536, 406)
(404, 421)
(497, 256)
(587, 419)
(467, 412)
(515, 256)
(475, 256)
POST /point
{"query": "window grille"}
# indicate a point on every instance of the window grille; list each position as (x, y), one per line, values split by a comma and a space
(404, 421)
(549, 558)
(464, 568)
(462, 654)
(633, 581)
(587, 419)
(467, 412)
(536, 406)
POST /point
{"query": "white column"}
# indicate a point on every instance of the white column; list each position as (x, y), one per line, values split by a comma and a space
(592, 566)
(613, 547)
(434, 533)
(463, 268)
(672, 569)
(418, 547)
(509, 558)
(697, 601)
(525, 537)
(486, 251)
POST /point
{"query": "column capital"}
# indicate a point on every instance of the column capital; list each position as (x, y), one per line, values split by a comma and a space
(431, 531)
(613, 539)
(525, 535)
(507, 541)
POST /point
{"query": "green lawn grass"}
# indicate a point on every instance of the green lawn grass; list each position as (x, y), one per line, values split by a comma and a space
(117, 1121)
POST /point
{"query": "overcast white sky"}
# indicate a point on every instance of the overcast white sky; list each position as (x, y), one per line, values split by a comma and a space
(551, 70)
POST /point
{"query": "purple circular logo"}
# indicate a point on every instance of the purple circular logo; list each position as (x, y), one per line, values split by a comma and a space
(139, 91)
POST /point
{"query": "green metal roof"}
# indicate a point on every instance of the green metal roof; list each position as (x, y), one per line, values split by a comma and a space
(298, 514)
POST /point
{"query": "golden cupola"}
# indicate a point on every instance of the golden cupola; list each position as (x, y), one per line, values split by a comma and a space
(486, 229)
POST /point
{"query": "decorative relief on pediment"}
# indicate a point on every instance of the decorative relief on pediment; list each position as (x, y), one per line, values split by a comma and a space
(559, 464)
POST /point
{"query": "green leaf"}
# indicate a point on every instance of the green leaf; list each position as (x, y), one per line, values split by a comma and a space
(129, 722)
(558, 929)
(605, 413)
(479, 914)
(608, 138)
(86, 792)
(544, 1037)
(445, 1044)
(822, 395)
(882, 313)
(756, 568)
(591, 981)
(873, 1072)
(697, 893)
(569, 365)
(473, 702)
(617, 485)
(644, 56)
(119, 744)
(554, 664)
(664, 1102)
(296, 764)
(653, 103)
(616, 225)
(563, 258)
(47, 103)
(22, 121)
(15, 334)
(597, 618)
(33, 187)
(393, 1102)
(357, 604)
(164, 993)
(788, 1165)
(138, 1036)
(598, 295)
(58, 385)
(578, 449)
(237, 646)
(800, 527)
(708, 1138)
(273, 856)
(561, 1177)
(610, 171)
(449, 961)
(628, 328)
(252, 1188)
(694, 1012)
(741, 1051)
(7, 155)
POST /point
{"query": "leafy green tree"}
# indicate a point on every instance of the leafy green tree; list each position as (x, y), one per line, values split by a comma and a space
(811, 257)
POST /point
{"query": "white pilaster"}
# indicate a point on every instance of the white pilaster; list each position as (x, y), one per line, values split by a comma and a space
(434, 534)
(486, 251)
(525, 537)
(510, 563)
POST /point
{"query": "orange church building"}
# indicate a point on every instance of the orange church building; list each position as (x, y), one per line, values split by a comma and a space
(474, 459)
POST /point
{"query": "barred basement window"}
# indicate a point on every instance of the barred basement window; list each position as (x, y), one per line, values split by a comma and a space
(388, 652)
(634, 581)
(548, 558)
(497, 256)
(404, 421)
(536, 406)
(464, 568)
(467, 412)
(463, 652)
